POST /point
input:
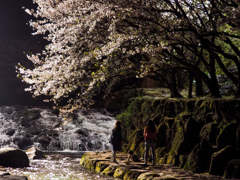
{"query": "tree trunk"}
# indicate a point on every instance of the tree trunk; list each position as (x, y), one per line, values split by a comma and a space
(174, 89)
(190, 85)
(199, 85)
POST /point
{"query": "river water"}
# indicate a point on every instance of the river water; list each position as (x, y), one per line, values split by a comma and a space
(58, 166)
(62, 138)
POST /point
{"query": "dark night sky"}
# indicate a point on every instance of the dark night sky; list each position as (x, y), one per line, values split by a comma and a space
(13, 18)
(14, 31)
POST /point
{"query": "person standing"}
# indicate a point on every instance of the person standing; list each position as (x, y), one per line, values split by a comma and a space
(150, 137)
(116, 140)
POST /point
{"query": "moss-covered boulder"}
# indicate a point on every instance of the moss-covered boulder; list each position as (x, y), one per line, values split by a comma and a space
(110, 170)
(227, 136)
(220, 159)
(161, 134)
(134, 140)
(210, 133)
(91, 163)
(101, 165)
(120, 172)
(232, 171)
(133, 174)
(160, 152)
(186, 137)
(199, 159)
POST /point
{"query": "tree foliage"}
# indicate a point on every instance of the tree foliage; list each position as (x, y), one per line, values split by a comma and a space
(93, 44)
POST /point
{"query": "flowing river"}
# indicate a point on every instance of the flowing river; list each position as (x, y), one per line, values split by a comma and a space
(63, 139)
(58, 166)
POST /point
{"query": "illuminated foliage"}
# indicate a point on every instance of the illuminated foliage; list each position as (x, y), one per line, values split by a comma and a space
(93, 44)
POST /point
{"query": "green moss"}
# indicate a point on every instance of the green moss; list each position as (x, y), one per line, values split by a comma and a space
(176, 143)
(100, 166)
(132, 174)
(109, 170)
(119, 172)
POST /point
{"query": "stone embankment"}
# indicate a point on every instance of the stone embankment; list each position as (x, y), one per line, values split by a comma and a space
(128, 170)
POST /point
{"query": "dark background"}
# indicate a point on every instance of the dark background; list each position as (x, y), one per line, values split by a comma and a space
(15, 39)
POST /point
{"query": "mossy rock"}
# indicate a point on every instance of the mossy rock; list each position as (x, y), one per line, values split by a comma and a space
(100, 166)
(228, 136)
(232, 170)
(135, 139)
(160, 152)
(161, 135)
(110, 170)
(147, 176)
(164, 159)
(91, 163)
(220, 159)
(182, 160)
(169, 121)
(210, 133)
(120, 172)
(84, 158)
(199, 159)
(133, 174)
(176, 143)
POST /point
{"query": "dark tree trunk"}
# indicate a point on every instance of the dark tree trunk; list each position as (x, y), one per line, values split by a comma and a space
(174, 89)
(190, 86)
(214, 86)
(199, 85)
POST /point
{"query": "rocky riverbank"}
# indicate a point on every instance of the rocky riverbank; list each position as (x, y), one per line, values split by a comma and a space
(99, 161)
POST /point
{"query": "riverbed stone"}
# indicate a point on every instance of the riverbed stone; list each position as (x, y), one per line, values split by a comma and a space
(35, 153)
(13, 157)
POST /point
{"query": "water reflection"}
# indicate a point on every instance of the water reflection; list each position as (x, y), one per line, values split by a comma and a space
(64, 166)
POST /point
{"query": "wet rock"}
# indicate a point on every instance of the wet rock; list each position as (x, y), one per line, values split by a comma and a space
(82, 147)
(34, 153)
(31, 114)
(83, 132)
(33, 130)
(25, 122)
(44, 140)
(23, 142)
(10, 131)
(8, 110)
(232, 170)
(13, 157)
(220, 159)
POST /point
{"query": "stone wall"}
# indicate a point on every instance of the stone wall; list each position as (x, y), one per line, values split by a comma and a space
(200, 135)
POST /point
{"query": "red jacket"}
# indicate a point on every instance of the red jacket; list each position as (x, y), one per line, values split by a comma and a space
(149, 135)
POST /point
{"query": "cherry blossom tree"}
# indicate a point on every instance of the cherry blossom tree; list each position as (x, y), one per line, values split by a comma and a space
(93, 44)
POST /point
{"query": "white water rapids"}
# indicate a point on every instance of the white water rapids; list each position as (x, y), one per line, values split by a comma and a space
(25, 127)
